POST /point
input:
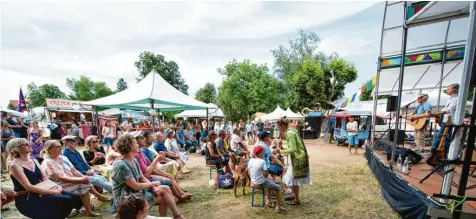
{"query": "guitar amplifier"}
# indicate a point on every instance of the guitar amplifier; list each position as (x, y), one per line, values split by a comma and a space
(404, 152)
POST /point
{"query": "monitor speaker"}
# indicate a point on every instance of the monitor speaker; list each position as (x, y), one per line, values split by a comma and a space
(392, 103)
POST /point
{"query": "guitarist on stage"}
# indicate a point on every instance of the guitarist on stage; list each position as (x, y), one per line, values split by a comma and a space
(423, 110)
(449, 110)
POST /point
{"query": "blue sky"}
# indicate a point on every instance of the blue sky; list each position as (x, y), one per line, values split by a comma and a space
(49, 42)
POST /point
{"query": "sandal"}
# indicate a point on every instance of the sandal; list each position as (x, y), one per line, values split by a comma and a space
(281, 209)
(296, 203)
(5, 208)
(73, 213)
(290, 198)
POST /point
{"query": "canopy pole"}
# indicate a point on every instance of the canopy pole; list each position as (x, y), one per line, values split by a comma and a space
(462, 96)
(153, 118)
(207, 119)
(97, 121)
(400, 83)
(375, 97)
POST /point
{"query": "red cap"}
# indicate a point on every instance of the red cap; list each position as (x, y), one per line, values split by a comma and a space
(258, 149)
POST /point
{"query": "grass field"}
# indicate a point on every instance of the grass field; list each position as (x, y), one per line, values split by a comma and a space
(343, 187)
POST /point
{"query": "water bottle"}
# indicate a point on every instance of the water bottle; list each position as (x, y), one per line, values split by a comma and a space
(399, 162)
(406, 165)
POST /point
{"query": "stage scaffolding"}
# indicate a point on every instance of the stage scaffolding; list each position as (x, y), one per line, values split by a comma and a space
(423, 47)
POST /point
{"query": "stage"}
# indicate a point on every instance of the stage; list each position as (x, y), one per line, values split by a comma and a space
(406, 195)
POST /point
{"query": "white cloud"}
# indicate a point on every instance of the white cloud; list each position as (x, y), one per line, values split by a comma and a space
(49, 42)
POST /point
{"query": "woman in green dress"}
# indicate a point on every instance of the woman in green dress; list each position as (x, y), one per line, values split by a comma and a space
(298, 172)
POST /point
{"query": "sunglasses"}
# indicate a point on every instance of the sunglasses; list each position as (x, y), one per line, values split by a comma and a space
(26, 144)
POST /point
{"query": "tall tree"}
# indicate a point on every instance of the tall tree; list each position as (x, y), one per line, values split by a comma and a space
(248, 88)
(121, 85)
(86, 89)
(168, 70)
(36, 96)
(294, 60)
(207, 94)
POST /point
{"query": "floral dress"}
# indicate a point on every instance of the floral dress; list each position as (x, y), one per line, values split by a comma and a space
(63, 166)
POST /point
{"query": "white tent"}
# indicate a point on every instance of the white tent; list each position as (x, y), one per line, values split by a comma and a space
(213, 111)
(292, 115)
(15, 113)
(364, 107)
(154, 89)
(277, 114)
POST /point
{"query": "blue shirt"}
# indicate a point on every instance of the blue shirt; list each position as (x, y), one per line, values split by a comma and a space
(147, 153)
(159, 146)
(260, 126)
(12, 122)
(77, 160)
(267, 152)
(423, 108)
(181, 135)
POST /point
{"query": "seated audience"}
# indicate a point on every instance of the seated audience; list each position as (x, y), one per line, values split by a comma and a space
(127, 179)
(172, 147)
(95, 156)
(274, 166)
(180, 138)
(152, 173)
(212, 154)
(32, 198)
(220, 143)
(135, 206)
(237, 146)
(59, 169)
(258, 174)
(79, 164)
(168, 165)
(113, 155)
(190, 137)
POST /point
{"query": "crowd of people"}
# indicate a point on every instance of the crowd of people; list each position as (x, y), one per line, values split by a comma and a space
(140, 168)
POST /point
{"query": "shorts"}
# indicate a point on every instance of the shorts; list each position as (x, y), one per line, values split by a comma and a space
(270, 184)
(240, 152)
(109, 141)
(275, 170)
(353, 140)
(162, 182)
(249, 134)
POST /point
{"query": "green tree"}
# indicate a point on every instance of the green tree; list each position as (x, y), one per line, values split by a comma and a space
(294, 59)
(308, 85)
(339, 73)
(36, 96)
(248, 88)
(168, 70)
(11, 107)
(86, 89)
(207, 94)
(121, 85)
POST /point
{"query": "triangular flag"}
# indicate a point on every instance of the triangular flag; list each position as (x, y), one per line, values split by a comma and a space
(374, 80)
(348, 101)
(369, 86)
(362, 90)
(353, 97)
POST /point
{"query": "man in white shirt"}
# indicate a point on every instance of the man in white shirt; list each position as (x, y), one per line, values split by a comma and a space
(352, 129)
(237, 146)
(449, 110)
(127, 126)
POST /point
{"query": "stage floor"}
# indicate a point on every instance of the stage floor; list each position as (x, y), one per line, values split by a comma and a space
(433, 184)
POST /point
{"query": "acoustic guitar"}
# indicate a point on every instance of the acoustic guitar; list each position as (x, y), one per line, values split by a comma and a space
(417, 123)
(435, 158)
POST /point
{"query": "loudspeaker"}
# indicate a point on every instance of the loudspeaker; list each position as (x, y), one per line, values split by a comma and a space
(392, 103)
(401, 135)
(382, 144)
(405, 153)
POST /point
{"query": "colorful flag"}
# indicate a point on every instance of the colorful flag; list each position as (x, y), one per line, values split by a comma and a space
(374, 80)
(348, 101)
(369, 86)
(21, 102)
(353, 97)
(362, 90)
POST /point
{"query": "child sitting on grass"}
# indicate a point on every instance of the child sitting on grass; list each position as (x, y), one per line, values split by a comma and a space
(259, 174)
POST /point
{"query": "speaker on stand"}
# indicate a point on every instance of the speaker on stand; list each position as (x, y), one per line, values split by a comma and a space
(392, 103)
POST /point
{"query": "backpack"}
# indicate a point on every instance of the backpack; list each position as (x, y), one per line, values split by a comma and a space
(225, 180)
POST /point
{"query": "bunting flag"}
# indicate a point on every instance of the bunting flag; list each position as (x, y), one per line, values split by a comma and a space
(362, 90)
(353, 97)
(348, 101)
(369, 86)
(374, 80)
(342, 105)
(21, 102)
